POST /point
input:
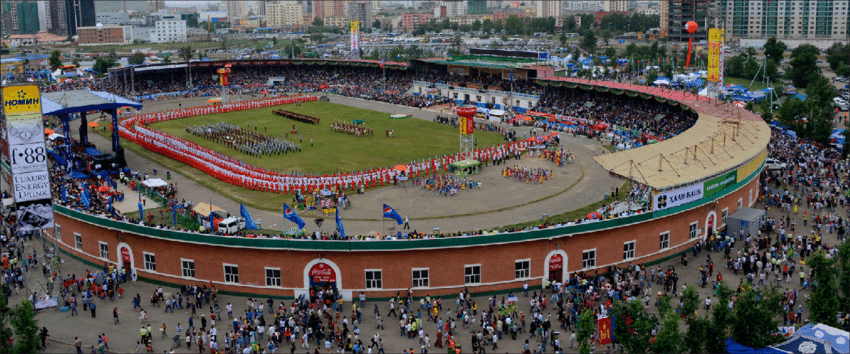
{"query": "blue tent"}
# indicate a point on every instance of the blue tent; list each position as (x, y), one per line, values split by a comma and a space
(801, 96)
(734, 348)
(836, 338)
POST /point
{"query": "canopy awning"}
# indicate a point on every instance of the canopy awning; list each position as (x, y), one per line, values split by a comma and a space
(204, 209)
(154, 182)
(466, 163)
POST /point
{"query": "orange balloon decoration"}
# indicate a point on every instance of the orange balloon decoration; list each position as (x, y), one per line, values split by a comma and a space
(691, 27)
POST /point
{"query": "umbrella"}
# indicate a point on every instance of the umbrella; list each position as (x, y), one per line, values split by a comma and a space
(526, 118)
(401, 168)
(740, 104)
(594, 215)
(94, 124)
(214, 100)
(48, 131)
(553, 134)
(103, 189)
(358, 121)
(545, 137)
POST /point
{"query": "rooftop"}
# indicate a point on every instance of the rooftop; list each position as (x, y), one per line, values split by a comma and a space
(725, 137)
(64, 102)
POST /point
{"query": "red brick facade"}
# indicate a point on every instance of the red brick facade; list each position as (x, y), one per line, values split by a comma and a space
(446, 266)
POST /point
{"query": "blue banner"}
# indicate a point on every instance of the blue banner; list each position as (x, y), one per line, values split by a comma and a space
(291, 216)
(392, 214)
(249, 223)
(339, 224)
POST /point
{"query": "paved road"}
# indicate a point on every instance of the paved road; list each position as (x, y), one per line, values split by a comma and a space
(591, 187)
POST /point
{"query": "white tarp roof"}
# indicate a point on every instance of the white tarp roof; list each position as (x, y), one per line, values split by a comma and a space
(154, 182)
(497, 112)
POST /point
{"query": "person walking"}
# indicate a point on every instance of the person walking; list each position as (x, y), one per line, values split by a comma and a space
(92, 307)
(406, 223)
(79, 345)
(115, 315)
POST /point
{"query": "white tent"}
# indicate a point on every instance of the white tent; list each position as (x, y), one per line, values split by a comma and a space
(154, 183)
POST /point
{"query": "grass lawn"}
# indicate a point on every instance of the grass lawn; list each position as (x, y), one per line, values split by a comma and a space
(331, 151)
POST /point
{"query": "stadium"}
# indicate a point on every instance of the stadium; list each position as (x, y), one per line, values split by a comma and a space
(695, 175)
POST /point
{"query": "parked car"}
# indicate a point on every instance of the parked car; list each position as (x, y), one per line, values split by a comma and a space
(774, 164)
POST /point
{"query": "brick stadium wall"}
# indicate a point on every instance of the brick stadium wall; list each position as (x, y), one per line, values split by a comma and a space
(445, 265)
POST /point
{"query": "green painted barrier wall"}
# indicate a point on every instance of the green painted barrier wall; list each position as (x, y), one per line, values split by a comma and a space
(390, 245)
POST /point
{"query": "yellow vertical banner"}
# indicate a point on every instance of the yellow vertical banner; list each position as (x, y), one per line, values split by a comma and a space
(713, 55)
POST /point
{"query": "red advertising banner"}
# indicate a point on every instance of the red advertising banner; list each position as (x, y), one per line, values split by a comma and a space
(556, 262)
(604, 330)
(125, 254)
(323, 273)
(470, 124)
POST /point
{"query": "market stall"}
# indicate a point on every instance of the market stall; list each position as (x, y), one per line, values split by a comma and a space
(465, 168)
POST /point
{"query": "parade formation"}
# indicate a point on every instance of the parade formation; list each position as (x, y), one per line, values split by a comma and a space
(244, 140)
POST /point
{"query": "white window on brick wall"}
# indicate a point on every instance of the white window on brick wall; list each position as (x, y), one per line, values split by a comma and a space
(272, 276)
(104, 250)
(723, 215)
(472, 274)
(150, 261)
(231, 273)
(523, 268)
(629, 250)
(420, 277)
(187, 267)
(588, 258)
(78, 241)
(665, 241)
(692, 230)
(57, 232)
(374, 279)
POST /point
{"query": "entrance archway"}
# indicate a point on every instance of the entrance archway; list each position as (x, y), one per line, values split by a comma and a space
(710, 223)
(321, 275)
(125, 257)
(555, 267)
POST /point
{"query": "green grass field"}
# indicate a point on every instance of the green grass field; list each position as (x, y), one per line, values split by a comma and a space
(331, 151)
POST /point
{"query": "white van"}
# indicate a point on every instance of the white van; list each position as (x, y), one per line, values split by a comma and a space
(231, 225)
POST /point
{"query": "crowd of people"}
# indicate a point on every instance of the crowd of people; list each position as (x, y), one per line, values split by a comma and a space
(527, 175)
(446, 184)
(244, 140)
(351, 128)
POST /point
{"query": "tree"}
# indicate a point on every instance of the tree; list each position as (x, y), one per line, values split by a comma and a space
(584, 329)
(5, 319)
(136, 59)
(102, 65)
(318, 22)
(457, 41)
(735, 66)
(755, 319)
(770, 70)
(750, 68)
(803, 67)
(588, 43)
(611, 53)
(55, 60)
(487, 25)
(837, 54)
(694, 340)
(166, 59)
(651, 76)
(803, 49)
(192, 21)
(823, 304)
(774, 49)
(317, 37)
(632, 326)
(76, 62)
(186, 53)
(843, 70)
(26, 328)
(844, 264)
(690, 302)
(376, 24)
(668, 339)
(606, 36)
(476, 26)
(792, 112)
(721, 317)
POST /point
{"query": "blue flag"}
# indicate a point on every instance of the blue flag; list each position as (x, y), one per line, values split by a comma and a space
(339, 225)
(64, 194)
(212, 222)
(173, 212)
(84, 197)
(141, 212)
(249, 223)
(392, 214)
(291, 216)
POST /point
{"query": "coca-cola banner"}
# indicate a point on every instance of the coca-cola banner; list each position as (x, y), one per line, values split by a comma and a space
(323, 273)
(556, 262)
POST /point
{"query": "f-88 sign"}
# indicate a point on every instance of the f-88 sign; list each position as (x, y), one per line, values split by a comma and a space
(28, 158)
